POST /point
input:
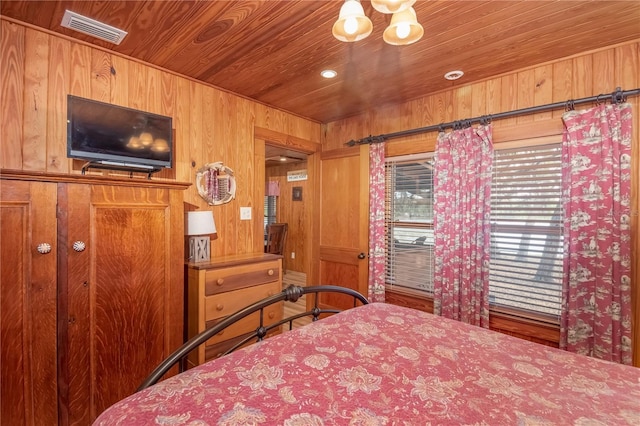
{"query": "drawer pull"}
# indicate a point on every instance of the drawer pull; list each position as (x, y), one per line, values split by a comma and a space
(270, 272)
(271, 315)
(44, 248)
(219, 306)
(220, 281)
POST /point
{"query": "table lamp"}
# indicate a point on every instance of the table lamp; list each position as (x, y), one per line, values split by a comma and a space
(200, 225)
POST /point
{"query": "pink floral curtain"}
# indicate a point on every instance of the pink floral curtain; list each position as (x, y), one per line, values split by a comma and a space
(377, 250)
(462, 197)
(596, 314)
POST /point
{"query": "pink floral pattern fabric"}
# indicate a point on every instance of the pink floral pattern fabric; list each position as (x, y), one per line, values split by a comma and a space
(381, 364)
(377, 239)
(596, 314)
(462, 206)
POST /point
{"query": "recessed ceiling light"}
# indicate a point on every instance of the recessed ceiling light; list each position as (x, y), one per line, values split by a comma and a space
(328, 73)
(453, 75)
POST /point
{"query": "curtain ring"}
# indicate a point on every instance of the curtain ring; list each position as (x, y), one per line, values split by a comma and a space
(485, 120)
(598, 100)
(618, 97)
(569, 105)
(441, 128)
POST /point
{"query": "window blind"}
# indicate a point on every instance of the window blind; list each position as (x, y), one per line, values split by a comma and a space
(269, 210)
(526, 229)
(409, 222)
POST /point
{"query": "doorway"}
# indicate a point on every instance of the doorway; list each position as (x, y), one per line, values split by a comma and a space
(291, 165)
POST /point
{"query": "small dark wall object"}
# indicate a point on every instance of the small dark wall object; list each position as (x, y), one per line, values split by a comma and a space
(297, 193)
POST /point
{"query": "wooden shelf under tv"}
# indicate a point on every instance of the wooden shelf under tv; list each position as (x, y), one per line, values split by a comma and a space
(131, 169)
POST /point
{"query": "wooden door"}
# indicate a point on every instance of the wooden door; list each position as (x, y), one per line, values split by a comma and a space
(344, 210)
(121, 305)
(28, 383)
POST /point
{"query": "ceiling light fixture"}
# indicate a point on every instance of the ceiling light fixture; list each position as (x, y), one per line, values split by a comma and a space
(353, 25)
(328, 73)
(404, 28)
(392, 6)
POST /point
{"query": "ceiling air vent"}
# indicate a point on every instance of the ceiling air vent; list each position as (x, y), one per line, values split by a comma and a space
(92, 27)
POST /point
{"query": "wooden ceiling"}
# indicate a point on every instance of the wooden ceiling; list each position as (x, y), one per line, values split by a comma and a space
(273, 51)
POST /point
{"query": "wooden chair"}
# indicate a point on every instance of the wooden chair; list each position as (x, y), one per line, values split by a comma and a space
(276, 237)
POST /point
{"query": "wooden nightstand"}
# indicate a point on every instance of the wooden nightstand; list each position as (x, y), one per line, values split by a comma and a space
(224, 286)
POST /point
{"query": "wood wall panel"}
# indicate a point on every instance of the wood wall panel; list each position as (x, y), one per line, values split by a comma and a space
(35, 99)
(561, 82)
(525, 94)
(543, 92)
(119, 77)
(509, 97)
(588, 74)
(100, 76)
(181, 119)
(12, 80)
(59, 83)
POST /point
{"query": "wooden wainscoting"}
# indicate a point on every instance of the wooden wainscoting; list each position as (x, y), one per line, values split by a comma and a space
(529, 329)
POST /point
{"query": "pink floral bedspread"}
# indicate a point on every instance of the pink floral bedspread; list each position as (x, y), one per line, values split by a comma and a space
(381, 364)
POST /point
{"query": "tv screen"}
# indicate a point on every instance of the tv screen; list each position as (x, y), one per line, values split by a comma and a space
(115, 135)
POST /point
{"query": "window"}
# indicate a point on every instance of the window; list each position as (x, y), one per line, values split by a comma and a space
(409, 222)
(526, 227)
(269, 211)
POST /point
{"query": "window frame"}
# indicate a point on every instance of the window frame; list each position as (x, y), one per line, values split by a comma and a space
(514, 321)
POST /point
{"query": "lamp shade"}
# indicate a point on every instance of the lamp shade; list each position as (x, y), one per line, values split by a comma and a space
(392, 6)
(404, 28)
(200, 223)
(352, 23)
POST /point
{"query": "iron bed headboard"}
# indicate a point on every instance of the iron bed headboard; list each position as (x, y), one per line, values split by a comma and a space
(290, 294)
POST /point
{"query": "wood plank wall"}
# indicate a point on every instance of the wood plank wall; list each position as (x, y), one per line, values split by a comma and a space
(293, 213)
(584, 75)
(39, 69)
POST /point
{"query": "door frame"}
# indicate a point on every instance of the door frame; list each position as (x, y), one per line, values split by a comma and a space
(263, 136)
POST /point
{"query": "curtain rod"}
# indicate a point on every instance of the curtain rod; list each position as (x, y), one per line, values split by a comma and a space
(616, 97)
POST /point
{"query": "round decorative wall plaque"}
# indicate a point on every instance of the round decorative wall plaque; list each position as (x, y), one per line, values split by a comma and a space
(215, 183)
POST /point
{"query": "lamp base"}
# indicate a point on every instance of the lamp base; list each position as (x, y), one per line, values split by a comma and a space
(199, 249)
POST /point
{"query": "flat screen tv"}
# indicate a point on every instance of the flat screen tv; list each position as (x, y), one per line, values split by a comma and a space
(117, 136)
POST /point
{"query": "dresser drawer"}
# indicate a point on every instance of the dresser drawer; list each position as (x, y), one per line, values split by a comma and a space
(238, 277)
(223, 287)
(224, 304)
(272, 314)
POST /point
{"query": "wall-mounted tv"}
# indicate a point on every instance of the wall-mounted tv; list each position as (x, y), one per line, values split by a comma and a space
(113, 135)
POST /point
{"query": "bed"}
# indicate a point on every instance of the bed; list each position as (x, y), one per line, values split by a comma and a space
(381, 364)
